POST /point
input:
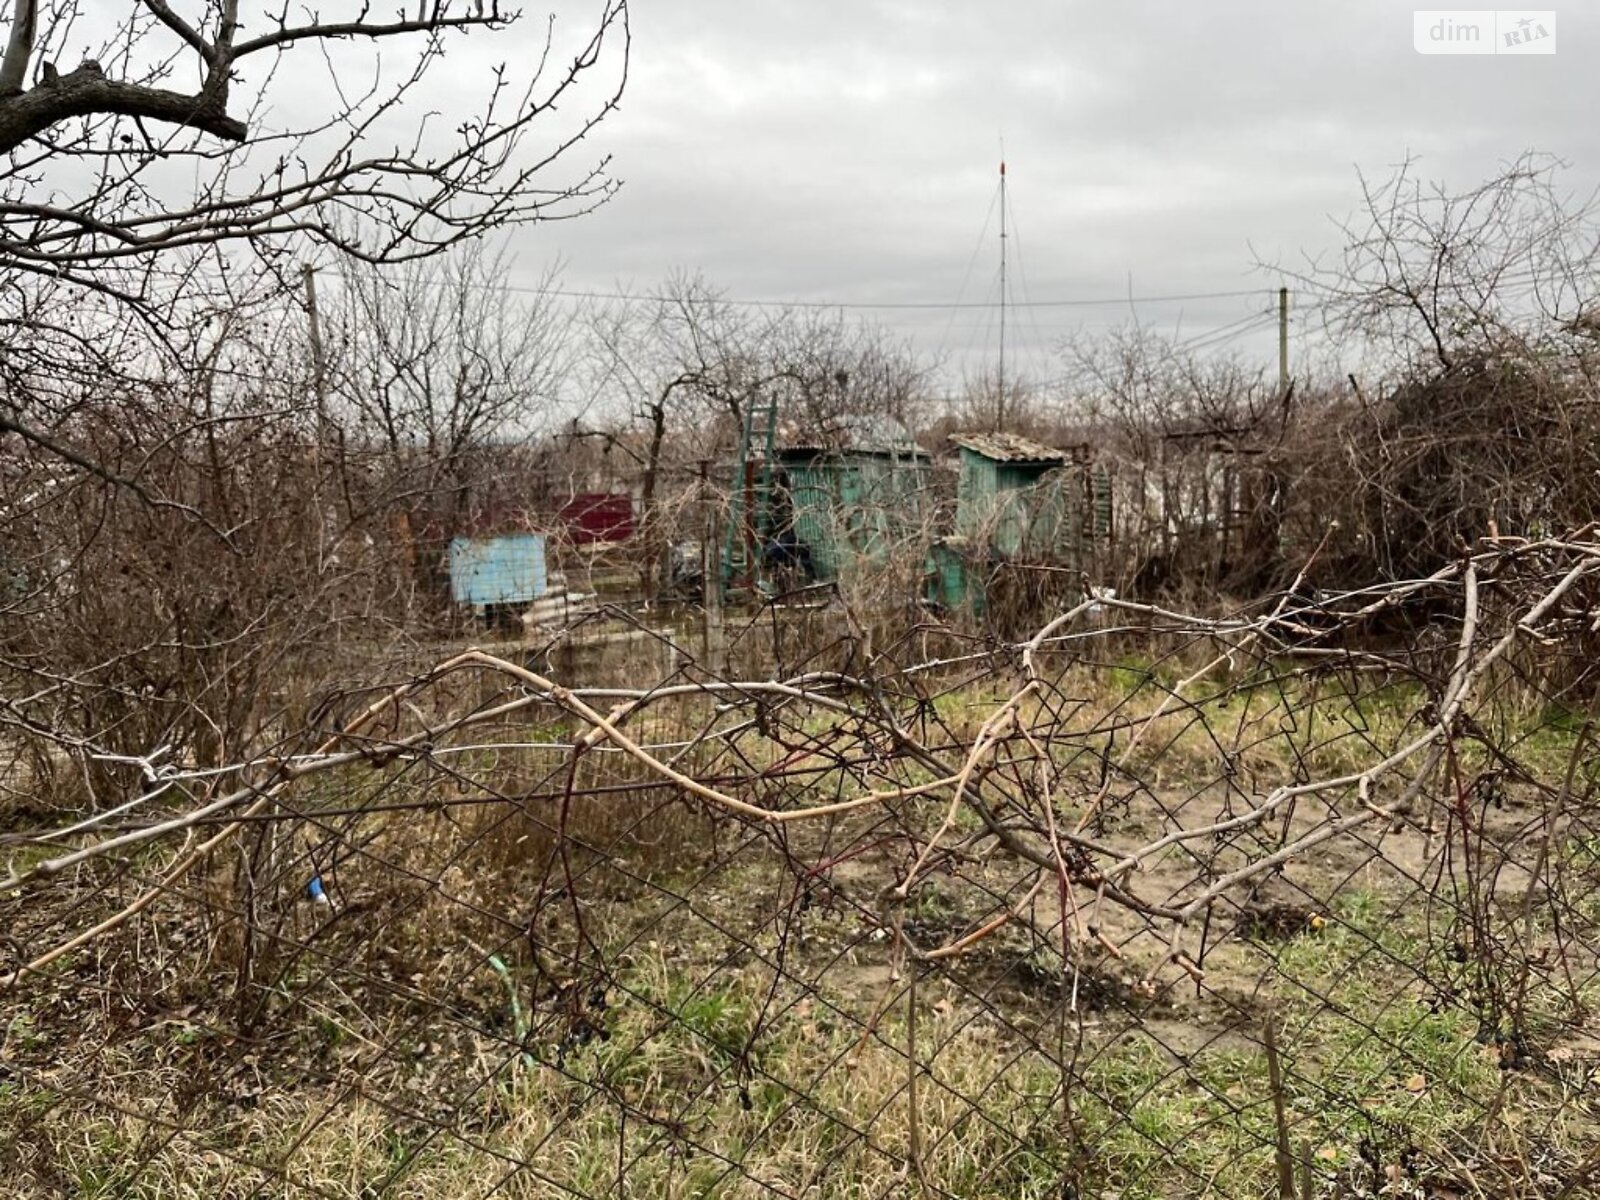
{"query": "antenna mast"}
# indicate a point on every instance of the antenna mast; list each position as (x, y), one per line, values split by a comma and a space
(1000, 400)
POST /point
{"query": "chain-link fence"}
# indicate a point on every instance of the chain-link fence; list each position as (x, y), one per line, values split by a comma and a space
(1299, 901)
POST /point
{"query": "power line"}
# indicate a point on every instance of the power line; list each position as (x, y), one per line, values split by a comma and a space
(939, 305)
(861, 305)
(1226, 333)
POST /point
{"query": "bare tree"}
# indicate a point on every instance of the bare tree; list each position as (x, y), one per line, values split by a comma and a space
(173, 533)
(113, 163)
(848, 378)
(1470, 316)
(688, 352)
(1197, 438)
(176, 178)
(995, 403)
(436, 364)
(1139, 387)
(678, 362)
(1432, 276)
(686, 369)
(172, 617)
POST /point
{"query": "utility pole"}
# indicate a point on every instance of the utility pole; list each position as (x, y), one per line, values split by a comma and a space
(1283, 342)
(319, 370)
(329, 451)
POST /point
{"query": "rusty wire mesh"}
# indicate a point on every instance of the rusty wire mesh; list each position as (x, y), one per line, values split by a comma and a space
(1300, 900)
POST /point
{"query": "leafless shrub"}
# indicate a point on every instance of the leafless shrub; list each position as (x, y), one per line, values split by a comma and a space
(1018, 913)
(1471, 309)
(1191, 443)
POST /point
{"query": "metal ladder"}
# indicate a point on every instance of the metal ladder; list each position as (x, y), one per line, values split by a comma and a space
(750, 501)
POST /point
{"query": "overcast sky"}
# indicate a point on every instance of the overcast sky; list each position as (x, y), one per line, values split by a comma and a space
(847, 150)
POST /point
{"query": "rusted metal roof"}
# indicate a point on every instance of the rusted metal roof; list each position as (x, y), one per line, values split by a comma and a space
(1008, 447)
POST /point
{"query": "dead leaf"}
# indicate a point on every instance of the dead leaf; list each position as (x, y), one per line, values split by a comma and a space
(1416, 1085)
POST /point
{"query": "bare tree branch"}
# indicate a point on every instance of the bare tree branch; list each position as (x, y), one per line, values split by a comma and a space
(19, 46)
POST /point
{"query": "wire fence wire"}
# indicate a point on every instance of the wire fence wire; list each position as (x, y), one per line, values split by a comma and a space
(1299, 901)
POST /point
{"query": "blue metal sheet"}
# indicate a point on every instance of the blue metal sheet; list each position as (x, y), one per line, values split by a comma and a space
(509, 569)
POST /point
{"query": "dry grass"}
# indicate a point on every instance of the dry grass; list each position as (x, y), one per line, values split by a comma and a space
(686, 1100)
(523, 995)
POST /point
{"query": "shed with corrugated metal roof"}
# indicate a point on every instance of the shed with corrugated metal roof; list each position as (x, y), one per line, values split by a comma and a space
(1021, 498)
(993, 465)
(852, 494)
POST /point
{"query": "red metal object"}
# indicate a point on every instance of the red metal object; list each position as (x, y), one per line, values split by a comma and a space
(598, 517)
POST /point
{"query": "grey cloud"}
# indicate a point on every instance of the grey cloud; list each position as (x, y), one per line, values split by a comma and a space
(847, 152)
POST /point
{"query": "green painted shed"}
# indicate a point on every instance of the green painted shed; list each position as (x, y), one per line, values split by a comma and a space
(1021, 499)
(852, 500)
